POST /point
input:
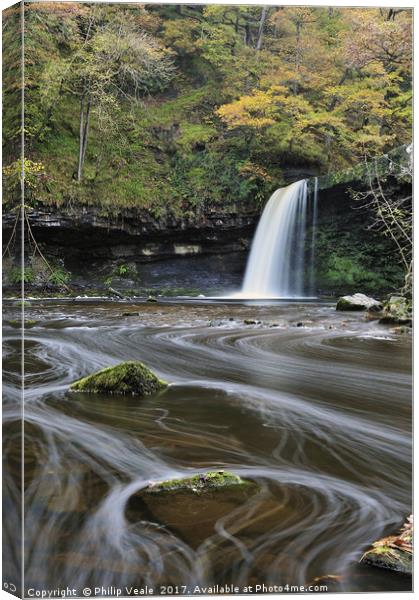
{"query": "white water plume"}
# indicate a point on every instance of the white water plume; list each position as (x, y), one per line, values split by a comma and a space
(276, 266)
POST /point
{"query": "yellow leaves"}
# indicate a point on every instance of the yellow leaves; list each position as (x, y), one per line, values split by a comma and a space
(370, 139)
(278, 89)
(364, 103)
(376, 69)
(249, 111)
(34, 167)
(293, 105)
(263, 108)
(29, 169)
(323, 119)
(13, 168)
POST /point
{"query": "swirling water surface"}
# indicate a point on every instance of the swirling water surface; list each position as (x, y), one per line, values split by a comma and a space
(312, 405)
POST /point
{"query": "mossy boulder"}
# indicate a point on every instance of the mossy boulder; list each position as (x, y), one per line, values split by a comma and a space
(386, 556)
(394, 552)
(27, 323)
(131, 377)
(397, 310)
(198, 484)
(191, 507)
(358, 302)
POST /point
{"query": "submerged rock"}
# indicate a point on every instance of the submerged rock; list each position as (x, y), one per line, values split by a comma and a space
(197, 484)
(403, 329)
(394, 552)
(397, 311)
(27, 323)
(216, 323)
(191, 507)
(131, 377)
(358, 302)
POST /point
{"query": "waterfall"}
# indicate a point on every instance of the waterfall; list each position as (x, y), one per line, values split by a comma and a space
(313, 238)
(276, 266)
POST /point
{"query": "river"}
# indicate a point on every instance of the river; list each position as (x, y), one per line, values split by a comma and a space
(313, 405)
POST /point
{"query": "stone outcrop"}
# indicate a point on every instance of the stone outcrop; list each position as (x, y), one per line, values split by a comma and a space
(126, 378)
(358, 302)
(397, 310)
(198, 484)
(394, 553)
(205, 498)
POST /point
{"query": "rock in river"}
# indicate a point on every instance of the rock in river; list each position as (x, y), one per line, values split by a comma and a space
(397, 310)
(131, 377)
(205, 499)
(394, 552)
(198, 484)
(358, 302)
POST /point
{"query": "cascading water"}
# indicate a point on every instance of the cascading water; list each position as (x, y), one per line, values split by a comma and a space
(276, 265)
(313, 238)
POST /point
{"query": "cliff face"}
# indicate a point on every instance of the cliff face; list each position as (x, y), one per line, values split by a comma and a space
(202, 251)
(207, 251)
(149, 236)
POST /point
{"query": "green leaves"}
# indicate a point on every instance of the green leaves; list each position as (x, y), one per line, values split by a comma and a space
(179, 96)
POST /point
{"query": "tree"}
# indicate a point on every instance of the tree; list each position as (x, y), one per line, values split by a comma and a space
(340, 84)
(114, 61)
(255, 85)
(118, 62)
(392, 210)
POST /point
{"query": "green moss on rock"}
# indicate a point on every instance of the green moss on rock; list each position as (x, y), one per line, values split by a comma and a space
(204, 482)
(397, 311)
(131, 377)
(387, 556)
(27, 323)
(205, 498)
(394, 552)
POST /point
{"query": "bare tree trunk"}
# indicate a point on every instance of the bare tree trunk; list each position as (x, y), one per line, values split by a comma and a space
(86, 131)
(236, 25)
(297, 56)
(334, 99)
(391, 15)
(81, 132)
(261, 27)
(247, 34)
